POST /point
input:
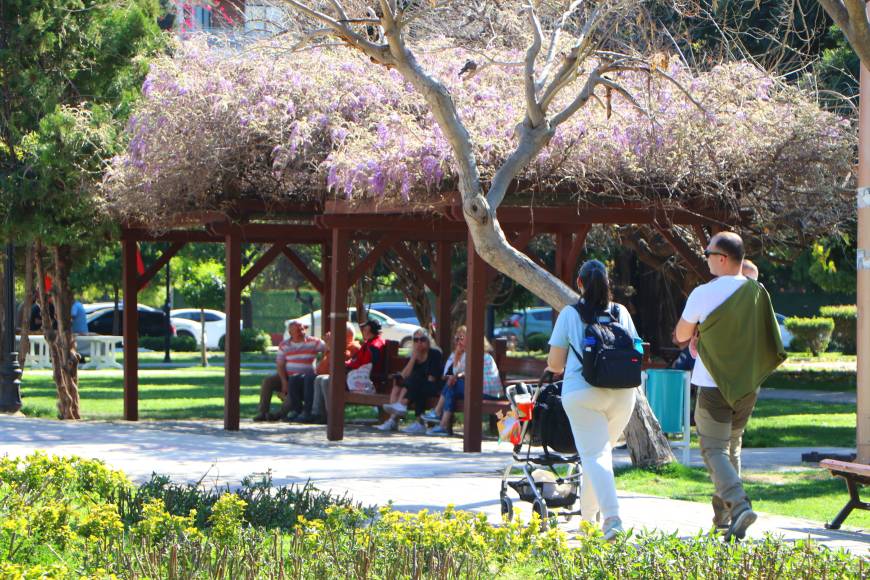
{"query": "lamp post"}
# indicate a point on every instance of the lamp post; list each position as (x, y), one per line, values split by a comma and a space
(167, 307)
(10, 375)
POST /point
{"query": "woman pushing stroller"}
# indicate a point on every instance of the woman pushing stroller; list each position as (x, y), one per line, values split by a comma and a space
(597, 415)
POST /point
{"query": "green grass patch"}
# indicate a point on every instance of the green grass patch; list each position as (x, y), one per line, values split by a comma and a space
(810, 494)
(800, 424)
(193, 358)
(189, 393)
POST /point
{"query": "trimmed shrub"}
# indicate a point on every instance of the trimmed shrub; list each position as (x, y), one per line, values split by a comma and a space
(176, 343)
(845, 326)
(537, 341)
(812, 334)
(252, 340)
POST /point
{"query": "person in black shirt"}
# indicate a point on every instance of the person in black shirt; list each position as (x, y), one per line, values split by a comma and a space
(418, 381)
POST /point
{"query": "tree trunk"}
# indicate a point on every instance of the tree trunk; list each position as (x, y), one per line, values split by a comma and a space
(60, 341)
(27, 304)
(648, 445)
(204, 354)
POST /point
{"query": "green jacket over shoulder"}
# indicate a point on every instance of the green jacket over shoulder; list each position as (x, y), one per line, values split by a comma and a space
(740, 342)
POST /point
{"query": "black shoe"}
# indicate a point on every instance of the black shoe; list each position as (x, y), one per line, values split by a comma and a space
(313, 420)
(740, 524)
(260, 418)
(304, 418)
(292, 417)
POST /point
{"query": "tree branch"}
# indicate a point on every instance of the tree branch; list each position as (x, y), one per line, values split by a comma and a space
(851, 17)
(554, 43)
(533, 109)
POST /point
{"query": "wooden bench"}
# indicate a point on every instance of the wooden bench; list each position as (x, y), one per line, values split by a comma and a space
(854, 474)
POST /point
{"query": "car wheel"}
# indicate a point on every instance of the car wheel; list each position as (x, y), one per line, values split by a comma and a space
(185, 333)
(406, 342)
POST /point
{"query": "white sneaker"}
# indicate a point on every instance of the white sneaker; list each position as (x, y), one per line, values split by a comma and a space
(388, 425)
(397, 409)
(431, 417)
(612, 527)
(414, 428)
(438, 430)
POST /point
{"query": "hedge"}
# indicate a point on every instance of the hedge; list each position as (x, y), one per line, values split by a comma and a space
(813, 334)
(537, 341)
(845, 326)
(252, 340)
(177, 343)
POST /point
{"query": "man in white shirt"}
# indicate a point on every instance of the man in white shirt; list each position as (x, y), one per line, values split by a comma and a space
(718, 422)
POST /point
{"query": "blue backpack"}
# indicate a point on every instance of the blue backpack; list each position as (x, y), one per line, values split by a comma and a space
(609, 358)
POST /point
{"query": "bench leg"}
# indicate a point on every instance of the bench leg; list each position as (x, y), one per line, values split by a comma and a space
(854, 502)
(493, 424)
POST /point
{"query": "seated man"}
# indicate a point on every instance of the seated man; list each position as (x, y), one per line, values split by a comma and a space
(321, 381)
(417, 382)
(295, 369)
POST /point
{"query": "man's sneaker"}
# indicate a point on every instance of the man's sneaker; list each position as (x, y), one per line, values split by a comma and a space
(740, 524)
(260, 417)
(721, 517)
(611, 528)
(430, 417)
(397, 409)
(303, 418)
(291, 418)
(415, 428)
(438, 430)
(388, 425)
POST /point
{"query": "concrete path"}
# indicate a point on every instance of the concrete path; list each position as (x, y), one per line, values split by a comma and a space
(373, 468)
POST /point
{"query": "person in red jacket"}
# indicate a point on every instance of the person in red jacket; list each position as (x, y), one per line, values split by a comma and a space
(368, 361)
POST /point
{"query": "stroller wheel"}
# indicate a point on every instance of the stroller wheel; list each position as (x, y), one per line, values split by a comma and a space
(540, 507)
(507, 507)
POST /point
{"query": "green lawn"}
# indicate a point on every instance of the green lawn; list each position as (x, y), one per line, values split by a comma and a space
(800, 424)
(812, 494)
(193, 358)
(190, 393)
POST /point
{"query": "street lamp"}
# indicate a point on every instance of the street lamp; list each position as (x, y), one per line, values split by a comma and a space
(10, 375)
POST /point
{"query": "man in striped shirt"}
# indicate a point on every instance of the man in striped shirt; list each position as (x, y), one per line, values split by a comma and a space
(295, 372)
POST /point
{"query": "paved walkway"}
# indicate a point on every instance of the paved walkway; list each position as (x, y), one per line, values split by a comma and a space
(413, 472)
(840, 397)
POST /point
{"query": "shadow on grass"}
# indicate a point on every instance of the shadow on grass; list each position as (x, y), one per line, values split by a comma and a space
(812, 380)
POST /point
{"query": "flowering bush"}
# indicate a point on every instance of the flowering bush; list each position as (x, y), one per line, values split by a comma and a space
(215, 125)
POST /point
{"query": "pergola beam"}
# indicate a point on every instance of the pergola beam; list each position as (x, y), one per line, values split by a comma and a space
(159, 264)
(413, 263)
(371, 259)
(303, 268)
(261, 264)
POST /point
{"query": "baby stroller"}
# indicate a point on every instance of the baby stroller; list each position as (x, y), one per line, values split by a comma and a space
(551, 480)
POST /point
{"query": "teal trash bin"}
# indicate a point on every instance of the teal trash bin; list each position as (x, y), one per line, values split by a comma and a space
(666, 392)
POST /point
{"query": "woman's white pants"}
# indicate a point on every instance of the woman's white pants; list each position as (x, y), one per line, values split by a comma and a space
(598, 417)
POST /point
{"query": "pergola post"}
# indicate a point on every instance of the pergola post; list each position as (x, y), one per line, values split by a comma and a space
(475, 308)
(863, 292)
(232, 340)
(445, 288)
(131, 329)
(339, 274)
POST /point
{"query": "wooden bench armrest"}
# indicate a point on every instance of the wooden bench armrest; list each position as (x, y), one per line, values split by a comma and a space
(859, 469)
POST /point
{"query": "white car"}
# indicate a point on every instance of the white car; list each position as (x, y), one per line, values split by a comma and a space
(783, 331)
(400, 332)
(186, 322)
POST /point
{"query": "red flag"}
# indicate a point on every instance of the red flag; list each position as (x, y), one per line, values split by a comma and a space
(140, 265)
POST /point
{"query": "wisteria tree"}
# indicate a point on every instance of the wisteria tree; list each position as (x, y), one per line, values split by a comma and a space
(576, 107)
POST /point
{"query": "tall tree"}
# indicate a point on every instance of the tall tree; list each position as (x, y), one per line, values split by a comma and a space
(69, 71)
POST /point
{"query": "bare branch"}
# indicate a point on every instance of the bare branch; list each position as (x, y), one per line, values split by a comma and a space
(339, 9)
(375, 51)
(533, 109)
(554, 43)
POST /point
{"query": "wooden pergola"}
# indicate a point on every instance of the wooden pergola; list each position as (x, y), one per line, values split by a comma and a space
(335, 225)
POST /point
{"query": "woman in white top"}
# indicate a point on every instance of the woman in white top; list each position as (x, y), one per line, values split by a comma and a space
(598, 416)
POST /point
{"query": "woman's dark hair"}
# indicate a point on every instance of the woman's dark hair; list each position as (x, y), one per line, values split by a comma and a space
(596, 289)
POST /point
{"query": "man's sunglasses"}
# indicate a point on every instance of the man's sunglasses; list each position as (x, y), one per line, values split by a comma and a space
(708, 253)
(420, 339)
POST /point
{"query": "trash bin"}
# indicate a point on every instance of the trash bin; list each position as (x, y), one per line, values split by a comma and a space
(666, 392)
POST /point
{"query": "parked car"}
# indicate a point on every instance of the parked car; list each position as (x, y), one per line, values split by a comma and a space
(398, 311)
(151, 321)
(521, 324)
(783, 331)
(187, 322)
(391, 329)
